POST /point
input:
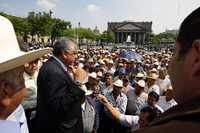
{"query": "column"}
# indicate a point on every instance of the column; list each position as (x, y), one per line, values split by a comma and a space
(131, 36)
(144, 36)
(117, 37)
(139, 38)
(122, 37)
(135, 37)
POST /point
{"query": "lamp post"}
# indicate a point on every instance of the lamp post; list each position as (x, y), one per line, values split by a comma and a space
(78, 35)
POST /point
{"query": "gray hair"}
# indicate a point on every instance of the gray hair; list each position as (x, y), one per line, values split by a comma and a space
(64, 45)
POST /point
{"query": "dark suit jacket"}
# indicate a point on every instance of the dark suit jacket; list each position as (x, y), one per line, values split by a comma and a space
(58, 102)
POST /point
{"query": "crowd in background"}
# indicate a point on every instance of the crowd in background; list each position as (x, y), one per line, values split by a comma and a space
(121, 94)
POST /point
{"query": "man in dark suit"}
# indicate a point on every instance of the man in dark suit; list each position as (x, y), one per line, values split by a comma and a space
(59, 93)
(184, 73)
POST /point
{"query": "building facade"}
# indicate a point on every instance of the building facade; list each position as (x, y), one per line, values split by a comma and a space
(136, 30)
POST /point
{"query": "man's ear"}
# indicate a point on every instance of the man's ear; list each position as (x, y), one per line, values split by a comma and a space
(196, 58)
(5, 88)
(64, 55)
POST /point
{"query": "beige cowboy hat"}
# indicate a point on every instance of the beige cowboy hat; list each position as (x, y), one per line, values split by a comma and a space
(118, 83)
(11, 56)
(152, 76)
(140, 75)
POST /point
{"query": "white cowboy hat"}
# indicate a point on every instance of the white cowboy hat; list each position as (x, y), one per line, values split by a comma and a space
(118, 83)
(11, 55)
(141, 83)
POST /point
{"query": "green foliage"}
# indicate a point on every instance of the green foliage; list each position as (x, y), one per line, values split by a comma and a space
(58, 27)
(42, 24)
(107, 36)
(157, 39)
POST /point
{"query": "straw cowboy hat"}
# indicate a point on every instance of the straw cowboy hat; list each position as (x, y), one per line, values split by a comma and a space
(152, 76)
(11, 55)
(118, 83)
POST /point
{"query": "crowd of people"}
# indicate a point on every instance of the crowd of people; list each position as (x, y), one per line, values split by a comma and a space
(66, 90)
(121, 95)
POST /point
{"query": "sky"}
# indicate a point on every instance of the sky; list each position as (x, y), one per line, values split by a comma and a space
(165, 14)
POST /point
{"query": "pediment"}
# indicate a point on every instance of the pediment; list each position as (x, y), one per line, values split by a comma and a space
(129, 27)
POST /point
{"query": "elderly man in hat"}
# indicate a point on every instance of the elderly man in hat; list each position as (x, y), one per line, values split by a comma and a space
(136, 98)
(184, 71)
(119, 101)
(90, 114)
(116, 97)
(12, 86)
(151, 83)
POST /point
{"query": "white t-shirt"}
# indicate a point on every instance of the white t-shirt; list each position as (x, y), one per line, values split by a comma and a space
(163, 84)
(131, 121)
(165, 105)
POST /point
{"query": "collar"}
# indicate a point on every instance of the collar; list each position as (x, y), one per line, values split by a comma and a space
(60, 62)
(18, 115)
(27, 76)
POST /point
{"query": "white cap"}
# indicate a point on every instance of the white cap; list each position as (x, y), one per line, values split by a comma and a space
(111, 61)
(141, 83)
(101, 62)
(118, 83)
(93, 75)
(90, 60)
(140, 75)
(87, 92)
(81, 59)
(100, 74)
(156, 63)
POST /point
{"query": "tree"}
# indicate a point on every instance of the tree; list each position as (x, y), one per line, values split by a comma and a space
(107, 36)
(59, 28)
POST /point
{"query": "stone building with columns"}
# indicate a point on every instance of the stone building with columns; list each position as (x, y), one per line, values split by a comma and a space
(136, 30)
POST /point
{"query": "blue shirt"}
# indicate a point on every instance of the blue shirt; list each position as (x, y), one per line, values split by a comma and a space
(120, 103)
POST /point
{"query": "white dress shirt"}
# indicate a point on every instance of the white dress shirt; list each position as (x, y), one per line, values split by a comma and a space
(163, 84)
(30, 100)
(19, 116)
(131, 121)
